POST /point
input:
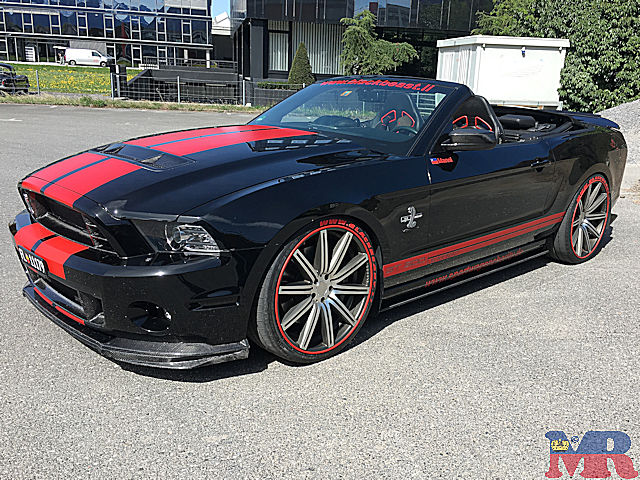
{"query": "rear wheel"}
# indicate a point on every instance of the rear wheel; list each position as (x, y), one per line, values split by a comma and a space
(72, 62)
(580, 235)
(317, 293)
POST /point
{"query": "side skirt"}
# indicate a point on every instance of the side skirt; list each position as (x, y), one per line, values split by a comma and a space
(432, 284)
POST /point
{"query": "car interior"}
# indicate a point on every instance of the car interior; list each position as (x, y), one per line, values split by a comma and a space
(511, 124)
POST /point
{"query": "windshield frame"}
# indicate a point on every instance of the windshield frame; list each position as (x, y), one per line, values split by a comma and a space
(389, 84)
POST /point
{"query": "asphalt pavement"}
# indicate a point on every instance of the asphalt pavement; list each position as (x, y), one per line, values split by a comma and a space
(462, 385)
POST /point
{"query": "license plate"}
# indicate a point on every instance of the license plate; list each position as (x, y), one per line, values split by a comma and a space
(33, 261)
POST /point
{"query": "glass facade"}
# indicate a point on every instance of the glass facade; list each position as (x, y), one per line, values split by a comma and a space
(456, 15)
(282, 24)
(133, 31)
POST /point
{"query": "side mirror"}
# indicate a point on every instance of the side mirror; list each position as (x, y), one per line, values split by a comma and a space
(468, 139)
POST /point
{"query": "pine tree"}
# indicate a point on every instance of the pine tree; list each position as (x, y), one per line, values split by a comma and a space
(300, 72)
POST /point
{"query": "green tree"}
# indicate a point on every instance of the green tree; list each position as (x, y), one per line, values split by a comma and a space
(300, 72)
(602, 69)
(364, 53)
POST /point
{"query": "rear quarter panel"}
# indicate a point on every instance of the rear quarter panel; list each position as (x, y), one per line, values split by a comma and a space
(582, 153)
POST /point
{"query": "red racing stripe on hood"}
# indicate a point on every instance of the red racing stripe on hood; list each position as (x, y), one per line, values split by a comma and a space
(48, 174)
(189, 134)
(71, 188)
(201, 144)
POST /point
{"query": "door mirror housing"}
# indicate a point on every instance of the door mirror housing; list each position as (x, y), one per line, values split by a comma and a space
(469, 139)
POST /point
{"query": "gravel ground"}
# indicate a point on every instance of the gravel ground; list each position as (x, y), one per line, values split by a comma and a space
(462, 385)
(628, 117)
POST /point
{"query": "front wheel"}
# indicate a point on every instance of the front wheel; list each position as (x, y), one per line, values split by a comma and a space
(579, 237)
(103, 64)
(317, 293)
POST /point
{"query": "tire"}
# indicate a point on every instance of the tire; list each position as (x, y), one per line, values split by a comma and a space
(103, 64)
(312, 305)
(585, 223)
(72, 63)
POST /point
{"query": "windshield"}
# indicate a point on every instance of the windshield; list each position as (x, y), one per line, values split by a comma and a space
(383, 115)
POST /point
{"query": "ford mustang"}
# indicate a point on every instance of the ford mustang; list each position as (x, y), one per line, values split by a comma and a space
(354, 195)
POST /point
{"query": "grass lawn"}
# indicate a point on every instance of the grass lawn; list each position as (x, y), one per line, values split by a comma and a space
(85, 101)
(65, 79)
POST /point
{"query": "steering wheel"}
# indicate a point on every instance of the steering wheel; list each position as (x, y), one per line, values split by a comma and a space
(336, 121)
(404, 128)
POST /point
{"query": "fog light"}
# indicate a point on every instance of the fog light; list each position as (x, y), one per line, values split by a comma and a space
(149, 316)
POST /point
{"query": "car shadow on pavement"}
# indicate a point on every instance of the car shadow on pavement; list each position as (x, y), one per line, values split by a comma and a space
(388, 317)
(260, 359)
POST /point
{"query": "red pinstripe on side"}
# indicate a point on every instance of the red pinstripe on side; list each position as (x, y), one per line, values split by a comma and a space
(195, 145)
(56, 251)
(71, 188)
(29, 235)
(48, 174)
(441, 254)
(189, 134)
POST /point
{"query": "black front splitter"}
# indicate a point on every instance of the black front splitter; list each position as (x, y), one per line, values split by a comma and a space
(171, 355)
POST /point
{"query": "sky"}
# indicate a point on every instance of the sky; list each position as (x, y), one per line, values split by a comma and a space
(219, 6)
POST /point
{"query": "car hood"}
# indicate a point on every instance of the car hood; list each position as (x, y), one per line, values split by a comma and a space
(169, 174)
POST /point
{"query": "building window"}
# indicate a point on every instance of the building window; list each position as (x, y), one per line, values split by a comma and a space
(278, 51)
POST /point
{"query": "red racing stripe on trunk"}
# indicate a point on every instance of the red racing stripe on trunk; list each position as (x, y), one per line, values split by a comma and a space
(185, 135)
(196, 145)
(71, 188)
(29, 235)
(445, 253)
(58, 169)
(56, 251)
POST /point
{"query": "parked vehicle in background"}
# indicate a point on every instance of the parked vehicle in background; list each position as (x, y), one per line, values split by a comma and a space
(11, 82)
(85, 56)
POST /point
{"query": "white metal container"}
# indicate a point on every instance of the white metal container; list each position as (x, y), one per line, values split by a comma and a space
(506, 70)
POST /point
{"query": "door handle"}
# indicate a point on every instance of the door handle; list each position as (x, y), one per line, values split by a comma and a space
(540, 162)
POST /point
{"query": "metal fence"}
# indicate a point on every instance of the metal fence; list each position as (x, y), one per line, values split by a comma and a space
(168, 84)
(189, 88)
(157, 62)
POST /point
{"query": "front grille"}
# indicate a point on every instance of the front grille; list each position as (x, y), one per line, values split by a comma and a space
(67, 222)
(82, 304)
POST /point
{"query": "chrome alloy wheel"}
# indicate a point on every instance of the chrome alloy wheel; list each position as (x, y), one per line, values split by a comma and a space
(324, 289)
(590, 217)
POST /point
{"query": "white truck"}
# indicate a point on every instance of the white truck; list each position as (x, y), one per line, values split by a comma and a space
(85, 56)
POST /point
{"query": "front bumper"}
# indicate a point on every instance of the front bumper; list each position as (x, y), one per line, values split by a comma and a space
(173, 355)
(95, 302)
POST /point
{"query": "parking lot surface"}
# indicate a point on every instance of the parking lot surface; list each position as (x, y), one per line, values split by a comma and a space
(461, 385)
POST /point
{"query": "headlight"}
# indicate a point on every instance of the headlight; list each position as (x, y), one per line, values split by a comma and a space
(173, 237)
(190, 239)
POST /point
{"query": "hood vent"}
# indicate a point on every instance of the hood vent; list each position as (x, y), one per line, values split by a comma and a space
(144, 156)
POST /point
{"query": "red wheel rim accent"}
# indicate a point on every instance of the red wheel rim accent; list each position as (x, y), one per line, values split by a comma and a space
(343, 225)
(603, 181)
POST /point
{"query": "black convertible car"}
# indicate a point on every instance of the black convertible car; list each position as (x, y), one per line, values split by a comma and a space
(11, 82)
(354, 195)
